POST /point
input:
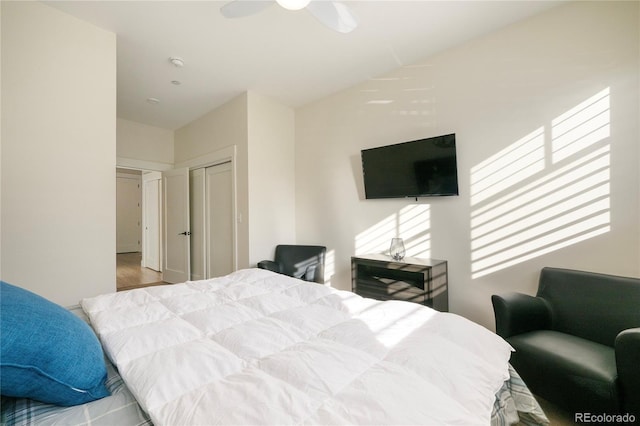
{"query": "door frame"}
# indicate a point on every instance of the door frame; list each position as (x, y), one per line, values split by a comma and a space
(143, 166)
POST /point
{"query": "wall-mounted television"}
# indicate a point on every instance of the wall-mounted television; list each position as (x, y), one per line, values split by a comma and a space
(420, 168)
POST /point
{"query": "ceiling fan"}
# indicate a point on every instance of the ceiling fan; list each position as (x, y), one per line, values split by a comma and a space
(332, 14)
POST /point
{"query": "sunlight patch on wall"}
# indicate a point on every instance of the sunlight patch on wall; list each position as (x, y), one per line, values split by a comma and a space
(329, 267)
(564, 202)
(581, 127)
(377, 238)
(509, 167)
(414, 227)
(412, 223)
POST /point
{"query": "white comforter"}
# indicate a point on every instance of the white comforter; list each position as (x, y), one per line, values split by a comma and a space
(256, 347)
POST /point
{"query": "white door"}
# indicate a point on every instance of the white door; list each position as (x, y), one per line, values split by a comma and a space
(176, 232)
(128, 214)
(197, 198)
(151, 220)
(219, 220)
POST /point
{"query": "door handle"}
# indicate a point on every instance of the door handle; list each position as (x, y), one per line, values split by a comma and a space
(185, 233)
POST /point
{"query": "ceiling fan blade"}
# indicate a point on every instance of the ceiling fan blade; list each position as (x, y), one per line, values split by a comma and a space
(242, 8)
(334, 15)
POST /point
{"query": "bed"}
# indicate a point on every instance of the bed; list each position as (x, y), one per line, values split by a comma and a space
(256, 347)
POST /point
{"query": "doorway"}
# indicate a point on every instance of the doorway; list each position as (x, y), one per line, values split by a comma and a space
(137, 228)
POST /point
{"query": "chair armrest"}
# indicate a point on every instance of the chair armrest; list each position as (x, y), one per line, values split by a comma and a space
(627, 348)
(517, 313)
(310, 273)
(270, 265)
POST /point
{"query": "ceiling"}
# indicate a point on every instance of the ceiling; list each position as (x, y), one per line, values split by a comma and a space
(286, 55)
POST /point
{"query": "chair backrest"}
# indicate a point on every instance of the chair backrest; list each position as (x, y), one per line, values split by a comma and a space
(296, 260)
(589, 305)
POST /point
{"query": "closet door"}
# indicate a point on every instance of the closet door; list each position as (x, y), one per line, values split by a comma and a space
(197, 196)
(219, 220)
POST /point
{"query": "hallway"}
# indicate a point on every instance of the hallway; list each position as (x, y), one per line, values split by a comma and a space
(130, 275)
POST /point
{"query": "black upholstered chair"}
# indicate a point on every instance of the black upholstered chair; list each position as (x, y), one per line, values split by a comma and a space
(304, 262)
(577, 343)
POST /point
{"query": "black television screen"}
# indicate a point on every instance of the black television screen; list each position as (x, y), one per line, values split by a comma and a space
(421, 168)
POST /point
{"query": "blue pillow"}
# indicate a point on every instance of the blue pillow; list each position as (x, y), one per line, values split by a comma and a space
(47, 353)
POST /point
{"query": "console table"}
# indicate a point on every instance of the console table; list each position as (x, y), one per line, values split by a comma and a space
(416, 280)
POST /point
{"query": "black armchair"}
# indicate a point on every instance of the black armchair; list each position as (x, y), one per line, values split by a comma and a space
(577, 343)
(304, 262)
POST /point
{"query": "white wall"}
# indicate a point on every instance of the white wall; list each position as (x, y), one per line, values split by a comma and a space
(508, 88)
(262, 132)
(58, 153)
(143, 145)
(271, 177)
(216, 131)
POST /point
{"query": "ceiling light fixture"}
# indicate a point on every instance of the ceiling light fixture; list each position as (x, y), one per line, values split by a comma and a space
(333, 14)
(177, 62)
(293, 4)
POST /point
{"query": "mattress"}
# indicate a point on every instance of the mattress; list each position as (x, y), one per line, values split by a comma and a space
(358, 394)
